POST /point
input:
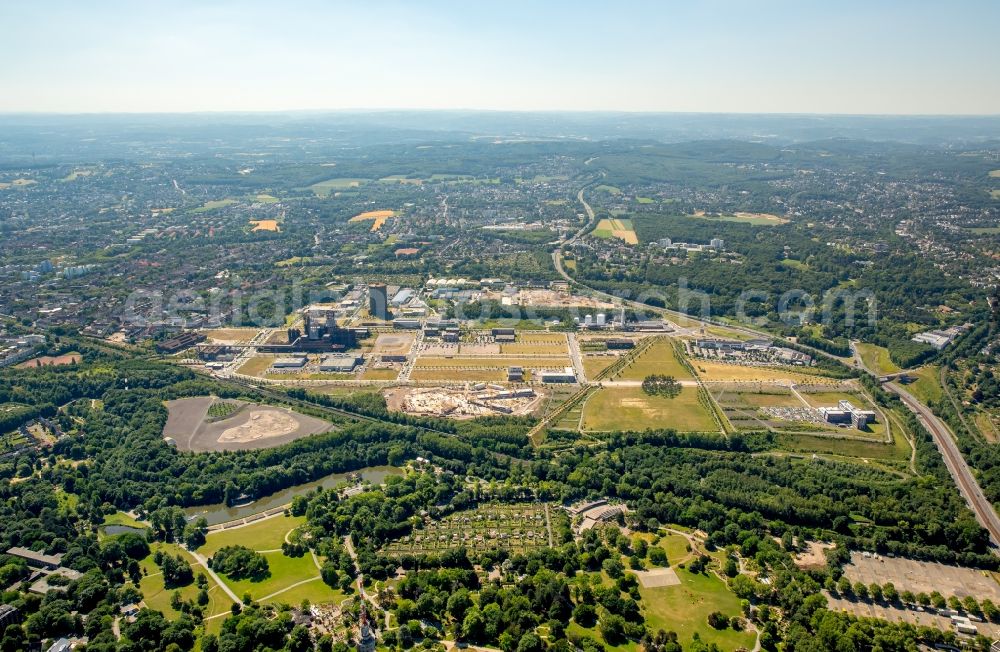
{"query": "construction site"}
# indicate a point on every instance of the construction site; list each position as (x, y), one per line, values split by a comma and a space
(465, 402)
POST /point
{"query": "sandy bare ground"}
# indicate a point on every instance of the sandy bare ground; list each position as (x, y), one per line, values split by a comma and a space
(48, 360)
(812, 556)
(251, 427)
(658, 577)
(923, 576)
(393, 343)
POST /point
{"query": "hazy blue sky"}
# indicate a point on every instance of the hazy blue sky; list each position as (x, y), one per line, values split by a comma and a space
(825, 56)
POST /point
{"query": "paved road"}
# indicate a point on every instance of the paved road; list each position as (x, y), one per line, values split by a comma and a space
(955, 462)
(953, 458)
(577, 358)
(218, 580)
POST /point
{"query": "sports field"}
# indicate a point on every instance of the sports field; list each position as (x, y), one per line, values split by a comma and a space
(629, 408)
(615, 228)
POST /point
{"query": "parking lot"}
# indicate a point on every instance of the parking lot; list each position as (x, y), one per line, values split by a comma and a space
(923, 576)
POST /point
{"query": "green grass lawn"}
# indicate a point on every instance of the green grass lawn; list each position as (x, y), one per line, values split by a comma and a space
(316, 592)
(684, 609)
(629, 408)
(266, 534)
(611, 190)
(213, 205)
(676, 548)
(858, 449)
(644, 200)
(659, 358)
(927, 386)
(285, 571)
(121, 518)
(877, 358)
(157, 596)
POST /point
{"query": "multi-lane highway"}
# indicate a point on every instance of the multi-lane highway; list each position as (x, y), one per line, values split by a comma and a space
(956, 464)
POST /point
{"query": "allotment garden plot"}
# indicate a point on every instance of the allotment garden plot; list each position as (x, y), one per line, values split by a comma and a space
(518, 528)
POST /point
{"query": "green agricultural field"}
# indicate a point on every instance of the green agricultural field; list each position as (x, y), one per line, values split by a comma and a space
(213, 205)
(659, 358)
(265, 534)
(684, 609)
(629, 408)
(324, 188)
(877, 358)
(611, 190)
(644, 200)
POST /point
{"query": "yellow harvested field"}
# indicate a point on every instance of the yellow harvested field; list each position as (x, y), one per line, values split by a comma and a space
(265, 225)
(621, 229)
(769, 217)
(722, 371)
(595, 364)
(995, 173)
(533, 348)
(378, 218)
(460, 375)
(491, 363)
(380, 374)
(541, 337)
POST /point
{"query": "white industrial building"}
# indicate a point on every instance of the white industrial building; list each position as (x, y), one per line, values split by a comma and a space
(340, 362)
(290, 362)
(566, 375)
